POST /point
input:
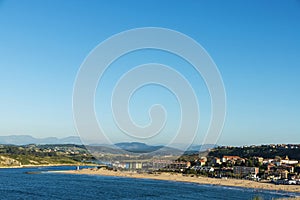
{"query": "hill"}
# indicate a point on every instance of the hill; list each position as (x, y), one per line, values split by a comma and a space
(265, 151)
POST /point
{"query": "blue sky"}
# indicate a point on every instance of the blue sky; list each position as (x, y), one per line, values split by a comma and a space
(255, 44)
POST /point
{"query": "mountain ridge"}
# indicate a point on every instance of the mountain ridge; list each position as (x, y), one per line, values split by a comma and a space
(28, 139)
(127, 146)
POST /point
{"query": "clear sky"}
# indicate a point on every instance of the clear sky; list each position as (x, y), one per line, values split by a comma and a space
(255, 44)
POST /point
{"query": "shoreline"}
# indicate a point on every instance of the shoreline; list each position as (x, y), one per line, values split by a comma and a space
(44, 165)
(180, 178)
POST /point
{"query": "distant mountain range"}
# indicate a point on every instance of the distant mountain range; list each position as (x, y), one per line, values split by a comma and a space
(27, 139)
(141, 147)
(135, 147)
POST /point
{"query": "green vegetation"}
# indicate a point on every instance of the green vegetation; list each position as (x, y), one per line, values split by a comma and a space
(265, 151)
(11, 155)
(257, 198)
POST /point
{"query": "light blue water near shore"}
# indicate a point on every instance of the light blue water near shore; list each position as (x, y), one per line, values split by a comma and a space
(16, 184)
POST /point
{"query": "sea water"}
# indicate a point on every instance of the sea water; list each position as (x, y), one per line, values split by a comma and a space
(40, 184)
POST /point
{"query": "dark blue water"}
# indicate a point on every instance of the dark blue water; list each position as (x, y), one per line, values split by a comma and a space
(16, 184)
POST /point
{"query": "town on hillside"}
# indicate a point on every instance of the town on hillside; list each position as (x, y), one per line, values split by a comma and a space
(254, 165)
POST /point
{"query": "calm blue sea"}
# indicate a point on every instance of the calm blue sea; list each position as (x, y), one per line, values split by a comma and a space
(16, 184)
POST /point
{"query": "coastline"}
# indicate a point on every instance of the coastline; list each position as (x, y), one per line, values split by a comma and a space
(180, 178)
(44, 165)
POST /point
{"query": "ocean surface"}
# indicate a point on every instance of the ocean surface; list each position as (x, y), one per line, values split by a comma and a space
(17, 184)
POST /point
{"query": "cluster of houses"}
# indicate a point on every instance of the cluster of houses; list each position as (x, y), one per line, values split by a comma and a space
(282, 170)
(279, 170)
(227, 166)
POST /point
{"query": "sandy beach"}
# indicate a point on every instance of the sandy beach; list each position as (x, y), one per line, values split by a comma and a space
(181, 178)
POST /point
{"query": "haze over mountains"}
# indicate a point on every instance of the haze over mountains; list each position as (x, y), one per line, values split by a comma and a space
(128, 146)
(27, 139)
